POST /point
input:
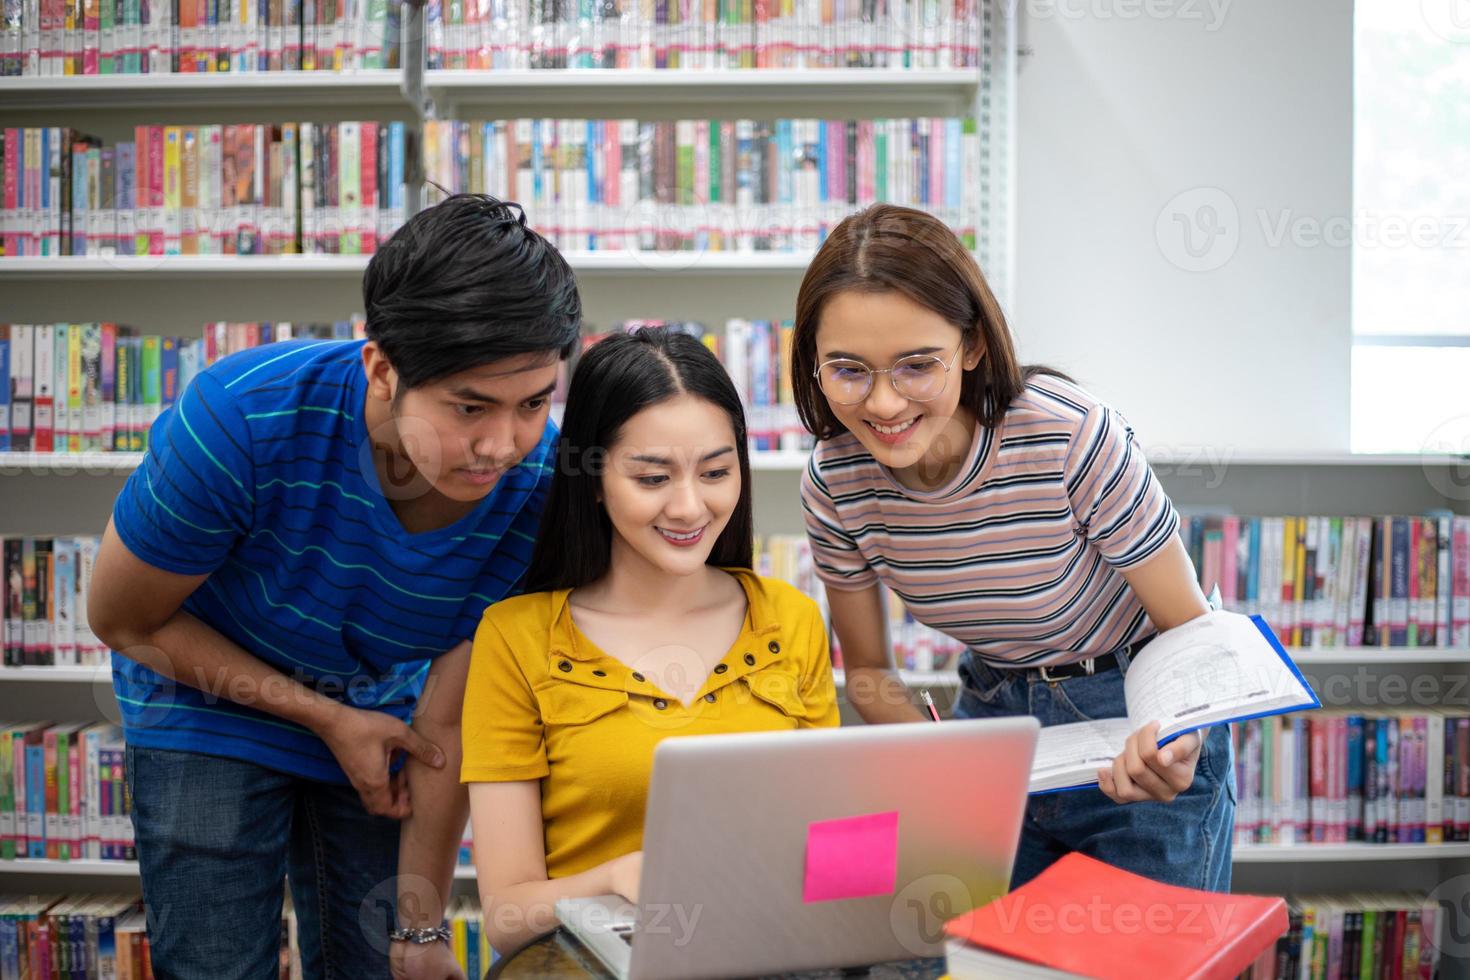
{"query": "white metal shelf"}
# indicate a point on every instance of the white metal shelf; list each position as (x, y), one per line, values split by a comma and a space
(86, 268)
(912, 678)
(1364, 656)
(78, 267)
(857, 87)
(1380, 656)
(51, 866)
(1241, 854)
(117, 869)
(1322, 853)
(58, 675)
(786, 460)
(17, 464)
(1214, 457)
(383, 86)
(283, 89)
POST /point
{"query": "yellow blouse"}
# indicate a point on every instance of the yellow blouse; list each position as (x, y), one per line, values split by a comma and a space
(542, 702)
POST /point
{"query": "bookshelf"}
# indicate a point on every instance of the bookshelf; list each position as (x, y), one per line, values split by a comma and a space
(65, 493)
(281, 90)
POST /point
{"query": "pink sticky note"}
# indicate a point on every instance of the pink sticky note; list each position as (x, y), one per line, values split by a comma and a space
(852, 857)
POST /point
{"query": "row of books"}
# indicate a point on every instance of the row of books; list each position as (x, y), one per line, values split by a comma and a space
(44, 593)
(105, 936)
(712, 35)
(915, 646)
(44, 609)
(50, 38)
(231, 189)
(66, 936)
(757, 356)
(1368, 935)
(97, 387)
(726, 185)
(1380, 777)
(1389, 581)
(63, 793)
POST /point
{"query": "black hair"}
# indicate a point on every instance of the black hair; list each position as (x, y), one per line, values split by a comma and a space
(617, 378)
(465, 283)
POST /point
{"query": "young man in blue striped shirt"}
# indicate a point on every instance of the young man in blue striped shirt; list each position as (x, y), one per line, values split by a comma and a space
(290, 580)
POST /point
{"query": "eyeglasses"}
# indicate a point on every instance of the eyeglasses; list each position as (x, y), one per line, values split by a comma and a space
(918, 377)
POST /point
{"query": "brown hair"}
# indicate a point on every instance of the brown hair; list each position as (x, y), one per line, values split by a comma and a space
(888, 248)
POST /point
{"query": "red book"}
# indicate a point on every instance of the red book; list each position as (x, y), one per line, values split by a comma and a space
(1084, 917)
(11, 188)
(368, 182)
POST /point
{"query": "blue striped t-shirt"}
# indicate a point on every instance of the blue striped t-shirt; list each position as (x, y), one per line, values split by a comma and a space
(262, 477)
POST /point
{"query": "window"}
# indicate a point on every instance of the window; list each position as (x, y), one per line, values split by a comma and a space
(1411, 226)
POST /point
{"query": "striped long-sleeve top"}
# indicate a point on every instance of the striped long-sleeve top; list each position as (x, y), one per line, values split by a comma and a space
(1019, 555)
(262, 478)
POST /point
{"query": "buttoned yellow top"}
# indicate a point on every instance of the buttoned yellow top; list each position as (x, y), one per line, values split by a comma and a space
(543, 702)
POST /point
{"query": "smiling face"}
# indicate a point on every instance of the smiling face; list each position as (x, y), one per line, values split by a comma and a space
(461, 433)
(922, 441)
(671, 483)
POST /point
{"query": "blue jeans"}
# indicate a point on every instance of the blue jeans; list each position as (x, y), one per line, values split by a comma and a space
(1186, 842)
(217, 838)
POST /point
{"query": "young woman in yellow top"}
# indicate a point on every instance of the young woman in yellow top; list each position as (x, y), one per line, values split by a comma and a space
(642, 620)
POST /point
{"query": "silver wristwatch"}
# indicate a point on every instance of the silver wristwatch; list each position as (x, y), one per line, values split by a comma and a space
(421, 936)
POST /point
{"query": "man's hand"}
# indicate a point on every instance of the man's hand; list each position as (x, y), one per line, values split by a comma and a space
(364, 742)
(1143, 771)
(424, 961)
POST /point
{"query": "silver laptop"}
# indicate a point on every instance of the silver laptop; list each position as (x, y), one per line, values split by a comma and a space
(778, 851)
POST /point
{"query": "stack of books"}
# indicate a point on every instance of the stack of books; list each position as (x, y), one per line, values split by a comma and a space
(1084, 918)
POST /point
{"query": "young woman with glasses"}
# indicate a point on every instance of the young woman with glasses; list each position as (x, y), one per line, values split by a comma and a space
(1010, 509)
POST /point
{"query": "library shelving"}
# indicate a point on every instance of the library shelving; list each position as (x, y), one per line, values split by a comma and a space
(72, 494)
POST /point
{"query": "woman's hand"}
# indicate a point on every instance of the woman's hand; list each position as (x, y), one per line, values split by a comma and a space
(363, 742)
(424, 961)
(1143, 771)
(626, 871)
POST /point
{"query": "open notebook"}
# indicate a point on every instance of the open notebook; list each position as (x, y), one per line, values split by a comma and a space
(1220, 667)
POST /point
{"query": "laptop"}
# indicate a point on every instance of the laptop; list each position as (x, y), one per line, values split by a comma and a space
(772, 852)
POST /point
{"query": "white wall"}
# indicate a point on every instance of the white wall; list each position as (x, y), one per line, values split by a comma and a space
(1120, 112)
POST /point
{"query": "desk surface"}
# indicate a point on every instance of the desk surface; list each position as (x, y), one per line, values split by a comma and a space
(560, 957)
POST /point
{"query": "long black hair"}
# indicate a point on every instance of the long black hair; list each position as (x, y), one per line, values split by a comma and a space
(617, 378)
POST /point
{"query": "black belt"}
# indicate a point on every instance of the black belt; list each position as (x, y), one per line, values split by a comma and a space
(1084, 668)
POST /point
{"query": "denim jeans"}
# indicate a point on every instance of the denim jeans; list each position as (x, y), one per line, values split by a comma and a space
(216, 839)
(1186, 842)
